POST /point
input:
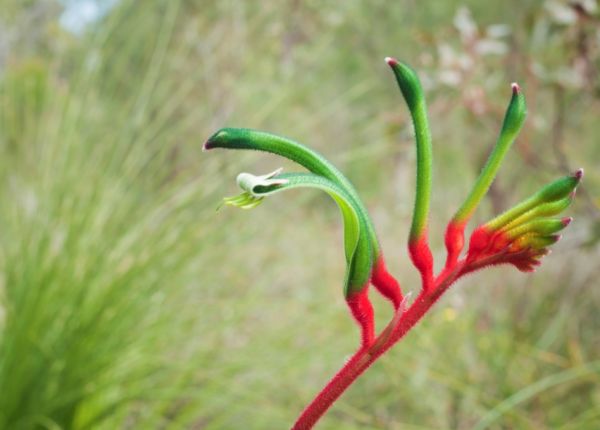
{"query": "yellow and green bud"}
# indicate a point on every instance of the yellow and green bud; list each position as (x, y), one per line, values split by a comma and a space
(554, 192)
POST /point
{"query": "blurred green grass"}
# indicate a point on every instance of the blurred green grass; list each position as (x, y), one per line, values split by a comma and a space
(126, 301)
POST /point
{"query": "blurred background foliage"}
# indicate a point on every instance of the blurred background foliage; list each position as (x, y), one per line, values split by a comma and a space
(126, 301)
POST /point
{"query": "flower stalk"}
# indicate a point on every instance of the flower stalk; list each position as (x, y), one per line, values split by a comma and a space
(520, 236)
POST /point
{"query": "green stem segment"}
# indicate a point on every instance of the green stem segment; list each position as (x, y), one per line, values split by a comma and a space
(412, 91)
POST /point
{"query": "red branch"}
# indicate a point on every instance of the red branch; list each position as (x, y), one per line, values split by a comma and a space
(403, 321)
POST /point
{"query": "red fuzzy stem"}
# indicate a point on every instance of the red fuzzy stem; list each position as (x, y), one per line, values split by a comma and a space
(364, 357)
(362, 311)
(332, 391)
(421, 257)
(385, 283)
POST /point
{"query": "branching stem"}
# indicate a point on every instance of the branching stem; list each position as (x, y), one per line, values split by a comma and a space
(401, 323)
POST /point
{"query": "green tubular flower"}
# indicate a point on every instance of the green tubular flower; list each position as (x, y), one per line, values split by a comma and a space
(540, 227)
(357, 244)
(411, 89)
(552, 197)
(418, 245)
(243, 138)
(513, 121)
(543, 210)
(535, 242)
(240, 138)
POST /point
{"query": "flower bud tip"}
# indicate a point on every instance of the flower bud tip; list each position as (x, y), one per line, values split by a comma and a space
(566, 221)
(515, 88)
(391, 61)
(579, 174)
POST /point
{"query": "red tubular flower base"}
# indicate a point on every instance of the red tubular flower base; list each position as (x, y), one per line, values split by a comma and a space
(362, 311)
(386, 284)
(420, 255)
(455, 241)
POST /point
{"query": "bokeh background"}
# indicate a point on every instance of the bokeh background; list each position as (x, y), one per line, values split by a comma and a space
(127, 301)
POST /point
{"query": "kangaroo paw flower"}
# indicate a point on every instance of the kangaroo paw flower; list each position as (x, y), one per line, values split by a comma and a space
(357, 243)
(242, 138)
(513, 121)
(520, 236)
(418, 246)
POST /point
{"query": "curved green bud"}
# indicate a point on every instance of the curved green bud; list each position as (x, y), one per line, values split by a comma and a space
(243, 138)
(544, 210)
(357, 244)
(535, 242)
(553, 192)
(541, 227)
(561, 187)
(411, 89)
(513, 121)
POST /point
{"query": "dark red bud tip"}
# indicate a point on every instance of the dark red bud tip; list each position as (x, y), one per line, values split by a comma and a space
(391, 61)
(566, 221)
(515, 88)
(206, 146)
(578, 174)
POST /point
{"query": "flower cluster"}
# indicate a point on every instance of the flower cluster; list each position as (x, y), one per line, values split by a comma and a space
(520, 236)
